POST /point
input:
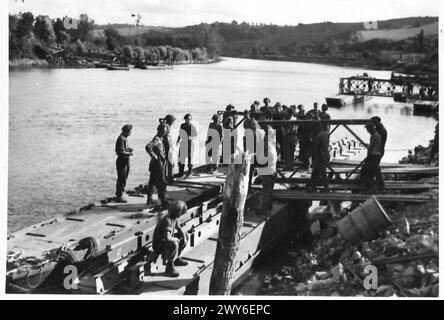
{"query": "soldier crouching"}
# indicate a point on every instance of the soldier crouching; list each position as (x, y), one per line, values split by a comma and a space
(169, 239)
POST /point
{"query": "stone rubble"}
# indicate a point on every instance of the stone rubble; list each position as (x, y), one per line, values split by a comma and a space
(406, 257)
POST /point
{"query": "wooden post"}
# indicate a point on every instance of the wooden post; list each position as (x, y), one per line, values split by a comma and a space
(231, 222)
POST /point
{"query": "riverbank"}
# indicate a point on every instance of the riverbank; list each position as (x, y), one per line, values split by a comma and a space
(321, 263)
(28, 63)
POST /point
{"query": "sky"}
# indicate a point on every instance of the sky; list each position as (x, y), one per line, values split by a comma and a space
(176, 13)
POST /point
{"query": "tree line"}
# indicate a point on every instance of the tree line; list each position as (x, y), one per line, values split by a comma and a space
(79, 36)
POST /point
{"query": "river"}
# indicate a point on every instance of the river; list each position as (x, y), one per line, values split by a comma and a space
(63, 123)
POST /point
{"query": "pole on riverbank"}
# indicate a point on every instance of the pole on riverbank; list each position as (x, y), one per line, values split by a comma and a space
(231, 222)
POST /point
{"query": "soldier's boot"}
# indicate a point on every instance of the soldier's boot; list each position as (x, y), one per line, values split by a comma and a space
(190, 170)
(170, 271)
(181, 170)
(163, 201)
(179, 262)
(149, 199)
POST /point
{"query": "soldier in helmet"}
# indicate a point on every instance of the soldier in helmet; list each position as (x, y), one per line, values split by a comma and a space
(168, 143)
(169, 239)
(156, 150)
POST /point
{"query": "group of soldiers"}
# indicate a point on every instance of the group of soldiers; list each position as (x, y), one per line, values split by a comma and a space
(288, 137)
(313, 139)
(169, 239)
(160, 151)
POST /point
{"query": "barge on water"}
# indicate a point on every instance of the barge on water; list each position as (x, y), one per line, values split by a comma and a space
(425, 107)
(339, 102)
(114, 67)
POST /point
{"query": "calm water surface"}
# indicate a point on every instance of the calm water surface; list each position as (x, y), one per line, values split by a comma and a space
(63, 122)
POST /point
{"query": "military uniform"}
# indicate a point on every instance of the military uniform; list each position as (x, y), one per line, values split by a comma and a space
(370, 168)
(167, 142)
(326, 116)
(213, 152)
(169, 239)
(321, 159)
(305, 142)
(270, 172)
(383, 133)
(122, 164)
(187, 133)
(156, 149)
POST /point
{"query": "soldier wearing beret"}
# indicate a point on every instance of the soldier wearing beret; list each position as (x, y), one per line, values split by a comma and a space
(123, 152)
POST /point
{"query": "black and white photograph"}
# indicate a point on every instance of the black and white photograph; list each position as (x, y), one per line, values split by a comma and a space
(251, 149)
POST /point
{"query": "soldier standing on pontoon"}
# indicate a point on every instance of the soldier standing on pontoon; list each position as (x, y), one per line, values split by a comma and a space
(325, 115)
(383, 133)
(370, 167)
(215, 131)
(187, 134)
(156, 150)
(123, 152)
(168, 144)
(321, 157)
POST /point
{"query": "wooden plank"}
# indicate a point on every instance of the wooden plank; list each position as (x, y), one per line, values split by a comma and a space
(344, 196)
(331, 122)
(351, 163)
(334, 185)
(405, 170)
(204, 252)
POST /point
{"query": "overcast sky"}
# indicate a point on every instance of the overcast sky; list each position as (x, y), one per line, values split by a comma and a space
(186, 12)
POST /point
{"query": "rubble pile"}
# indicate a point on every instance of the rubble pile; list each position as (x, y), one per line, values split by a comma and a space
(405, 256)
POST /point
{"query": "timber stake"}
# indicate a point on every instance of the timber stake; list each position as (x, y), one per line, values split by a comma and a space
(231, 222)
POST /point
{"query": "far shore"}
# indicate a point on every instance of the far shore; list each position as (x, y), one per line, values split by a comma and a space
(26, 63)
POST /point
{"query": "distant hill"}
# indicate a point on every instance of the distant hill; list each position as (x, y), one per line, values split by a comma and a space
(397, 34)
(410, 43)
(125, 29)
(246, 40)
